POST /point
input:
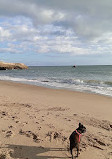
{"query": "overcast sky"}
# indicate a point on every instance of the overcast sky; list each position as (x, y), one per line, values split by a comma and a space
(56, 32)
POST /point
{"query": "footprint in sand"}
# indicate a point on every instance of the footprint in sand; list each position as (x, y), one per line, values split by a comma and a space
(56, 135)
(2, 156)
(30, 134)
(10, 127)
(57, 109)
(9, 133)
(3, 114)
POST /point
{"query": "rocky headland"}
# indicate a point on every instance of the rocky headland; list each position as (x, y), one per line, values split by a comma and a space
(11, 66)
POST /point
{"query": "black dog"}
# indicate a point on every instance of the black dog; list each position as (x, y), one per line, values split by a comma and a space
(75, 138)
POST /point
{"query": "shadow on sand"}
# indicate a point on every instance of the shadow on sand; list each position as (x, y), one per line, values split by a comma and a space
(34, 152)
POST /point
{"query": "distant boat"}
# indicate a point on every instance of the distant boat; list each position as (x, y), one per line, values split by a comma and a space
(74, 66)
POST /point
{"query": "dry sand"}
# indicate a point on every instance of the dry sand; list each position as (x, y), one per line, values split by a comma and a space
(35, 122)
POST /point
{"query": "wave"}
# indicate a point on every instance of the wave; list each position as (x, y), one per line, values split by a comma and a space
(93, 86)
(69, 81)
(35, 81)
(108, 83)
(98, 82)
(19, 79)
(93, 82)
(58, 80)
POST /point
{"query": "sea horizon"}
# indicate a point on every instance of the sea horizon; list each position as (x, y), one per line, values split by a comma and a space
(67, 65)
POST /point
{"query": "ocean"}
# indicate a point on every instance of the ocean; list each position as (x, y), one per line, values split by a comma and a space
(91, 79)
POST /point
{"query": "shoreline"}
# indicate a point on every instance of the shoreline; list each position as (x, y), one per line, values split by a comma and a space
(80, 80)
(56, 88)
(62, 95)
(36, 122)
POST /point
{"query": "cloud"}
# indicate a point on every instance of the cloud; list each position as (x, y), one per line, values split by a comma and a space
(22, 37)
(74, 27)
(89, 19)
(4, 34)
(39, 15)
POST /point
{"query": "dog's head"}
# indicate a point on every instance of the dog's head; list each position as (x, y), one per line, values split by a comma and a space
(82, 128)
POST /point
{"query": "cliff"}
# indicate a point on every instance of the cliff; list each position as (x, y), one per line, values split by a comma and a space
(11, 66)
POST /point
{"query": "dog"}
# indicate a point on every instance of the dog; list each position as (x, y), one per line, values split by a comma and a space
(75, 139)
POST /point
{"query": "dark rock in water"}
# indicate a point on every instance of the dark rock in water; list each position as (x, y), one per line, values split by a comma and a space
(11, 66)
(45, 81)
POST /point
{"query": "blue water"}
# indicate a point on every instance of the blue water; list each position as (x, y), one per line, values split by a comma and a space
(93, 79)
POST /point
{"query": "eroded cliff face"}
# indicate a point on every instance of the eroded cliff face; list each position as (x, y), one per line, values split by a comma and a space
(11, 66)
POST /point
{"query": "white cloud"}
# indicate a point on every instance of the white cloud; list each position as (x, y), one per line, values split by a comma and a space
(89, 19)
(75, 27)
(4, 34)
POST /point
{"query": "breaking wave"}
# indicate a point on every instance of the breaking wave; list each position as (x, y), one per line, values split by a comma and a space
(84, 79)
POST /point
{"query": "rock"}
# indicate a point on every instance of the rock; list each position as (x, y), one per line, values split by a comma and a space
(11, 66)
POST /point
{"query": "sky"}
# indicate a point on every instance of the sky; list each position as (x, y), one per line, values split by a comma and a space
(56, 32)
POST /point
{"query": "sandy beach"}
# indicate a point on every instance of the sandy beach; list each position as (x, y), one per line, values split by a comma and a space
(36, 122)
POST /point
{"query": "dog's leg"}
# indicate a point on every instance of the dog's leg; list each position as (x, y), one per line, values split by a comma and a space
(72, 154)
(77, 150)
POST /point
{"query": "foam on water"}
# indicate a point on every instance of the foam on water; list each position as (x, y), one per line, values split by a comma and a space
(85, 79)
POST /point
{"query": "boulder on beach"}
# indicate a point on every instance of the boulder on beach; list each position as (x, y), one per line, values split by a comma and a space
(11, 66)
